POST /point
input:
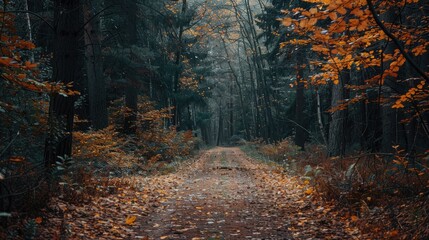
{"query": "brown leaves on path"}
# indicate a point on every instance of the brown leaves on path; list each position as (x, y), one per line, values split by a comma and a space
(222, 195)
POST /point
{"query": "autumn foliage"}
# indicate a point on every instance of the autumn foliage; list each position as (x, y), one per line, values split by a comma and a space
(346, 36)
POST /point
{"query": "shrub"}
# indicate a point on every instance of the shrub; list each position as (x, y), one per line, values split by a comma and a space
(282, 151)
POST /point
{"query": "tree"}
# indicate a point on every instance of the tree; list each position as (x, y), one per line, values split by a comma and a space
(94, 65)
(350, 35)
(66, 70)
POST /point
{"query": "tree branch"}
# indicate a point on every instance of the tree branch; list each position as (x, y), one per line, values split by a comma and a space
(396, 41)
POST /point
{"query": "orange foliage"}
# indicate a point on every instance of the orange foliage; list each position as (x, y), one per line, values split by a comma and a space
(105, 145)
(346, 35)
(16, 70)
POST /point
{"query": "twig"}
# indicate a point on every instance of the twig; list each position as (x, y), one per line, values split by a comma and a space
(9, 144)
(396, 41)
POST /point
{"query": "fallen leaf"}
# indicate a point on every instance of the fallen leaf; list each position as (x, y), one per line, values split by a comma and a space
(309, 191)
(130, 220)
(38, 220)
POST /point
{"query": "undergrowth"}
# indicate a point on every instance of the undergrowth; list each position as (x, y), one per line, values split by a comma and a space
(387, 195)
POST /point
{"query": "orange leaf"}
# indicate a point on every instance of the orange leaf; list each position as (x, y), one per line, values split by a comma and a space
(287, 22)
(333, 16)
(342, 10)
(30, 65)
(130, 220)
(17, 159)
(22, 76)
(309, 191)
(38, 220)
(312, 21)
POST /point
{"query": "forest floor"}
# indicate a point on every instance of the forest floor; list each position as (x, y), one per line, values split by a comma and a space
(222, 194)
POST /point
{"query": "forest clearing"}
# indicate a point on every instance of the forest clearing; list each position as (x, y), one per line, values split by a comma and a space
(214, 119)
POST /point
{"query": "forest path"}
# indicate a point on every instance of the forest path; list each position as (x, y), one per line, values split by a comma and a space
(226, 195)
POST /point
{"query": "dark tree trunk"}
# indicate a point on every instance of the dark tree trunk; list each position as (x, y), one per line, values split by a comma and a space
(176, 79)
(132, 88)
(66, 69)
(388, 114)
(336, 144)
(94, 68)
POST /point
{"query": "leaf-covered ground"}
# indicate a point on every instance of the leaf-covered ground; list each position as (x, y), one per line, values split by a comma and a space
(221, 195)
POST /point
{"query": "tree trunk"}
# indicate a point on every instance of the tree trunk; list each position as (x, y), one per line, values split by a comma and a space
(176, 79)
(132, 88)
(336, 144)
(66, 70)
(319, 117)
(300, 133)
(388, 114)
(94, 68)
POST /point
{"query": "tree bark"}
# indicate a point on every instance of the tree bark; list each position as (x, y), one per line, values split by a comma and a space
(94, 68)
(132, 88)
(336, 144)
(300, 133)
(66, 70)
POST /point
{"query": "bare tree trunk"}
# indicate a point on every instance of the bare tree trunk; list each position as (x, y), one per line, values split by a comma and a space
(66, 70)
(336, 144)
(300, 133)
(94, 68)
(176, 79)
(231, 109)
(28, 25)
(132, 88)
(220, 126)
(319, 117)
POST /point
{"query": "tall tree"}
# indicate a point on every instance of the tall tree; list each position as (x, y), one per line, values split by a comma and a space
(66, 70)
(94, 65)
(132, 86)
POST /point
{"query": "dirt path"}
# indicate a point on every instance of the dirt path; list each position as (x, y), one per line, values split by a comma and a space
(226, 195)
(221, 195)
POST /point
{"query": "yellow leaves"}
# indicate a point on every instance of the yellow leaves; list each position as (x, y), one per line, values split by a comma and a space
(313, 11)
(130, 220)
